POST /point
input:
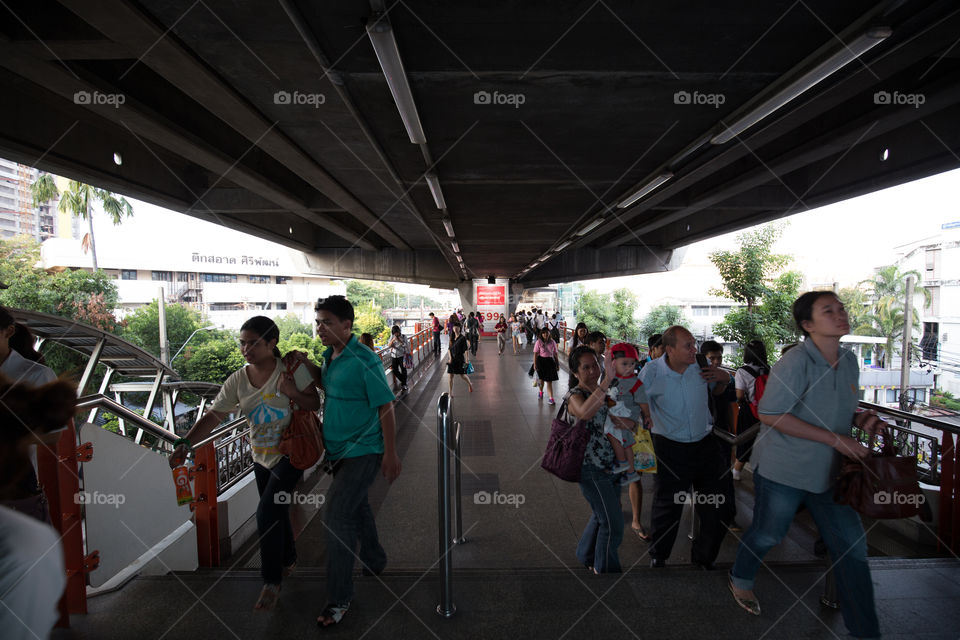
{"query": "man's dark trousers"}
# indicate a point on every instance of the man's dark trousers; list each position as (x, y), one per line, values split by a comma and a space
(436, 343)
(681, 465)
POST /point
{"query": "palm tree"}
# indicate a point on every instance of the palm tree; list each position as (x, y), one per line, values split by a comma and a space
(889, 292)
(889, 281)
(78, 200)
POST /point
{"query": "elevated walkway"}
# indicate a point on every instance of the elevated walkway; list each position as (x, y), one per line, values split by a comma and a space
(517, 574)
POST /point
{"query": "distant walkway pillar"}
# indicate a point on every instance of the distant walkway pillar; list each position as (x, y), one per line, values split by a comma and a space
(467, 300)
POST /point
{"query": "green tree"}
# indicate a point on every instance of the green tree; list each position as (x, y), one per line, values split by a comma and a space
(611, 313)
(888, 292)
(79, 199)
(753, 277)
(858, 306)
(313, 347)
(660, 318)
(368, 319)
(143, 328)
(212, 361)
(362, 292)
(290, 325)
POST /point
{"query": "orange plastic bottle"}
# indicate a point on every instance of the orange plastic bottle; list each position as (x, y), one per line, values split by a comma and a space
(181, 480)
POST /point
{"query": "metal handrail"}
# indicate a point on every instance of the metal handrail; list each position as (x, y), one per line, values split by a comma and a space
(912, 417)
(101, 401)
(446, 608)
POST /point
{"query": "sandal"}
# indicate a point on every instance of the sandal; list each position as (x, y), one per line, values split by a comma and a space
(289, 569)
(751, 606)
(334, 612)
(641, 533)
(268, 597)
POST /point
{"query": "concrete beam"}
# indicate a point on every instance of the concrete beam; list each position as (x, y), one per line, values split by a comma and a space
(425, 266)
(587, 264)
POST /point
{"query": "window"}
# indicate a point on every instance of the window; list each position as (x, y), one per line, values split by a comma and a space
(161, 276)
(283, 279)
(225, 306)
(184, 277)
(128, 274)
(259, 279)
(699, 310)
(282, 306)
(219, 277)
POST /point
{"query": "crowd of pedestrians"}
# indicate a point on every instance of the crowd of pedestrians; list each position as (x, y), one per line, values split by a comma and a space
(678, 393)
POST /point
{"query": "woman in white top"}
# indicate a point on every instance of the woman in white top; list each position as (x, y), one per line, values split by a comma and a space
(754, 366)
(398, 351)
(263, 391)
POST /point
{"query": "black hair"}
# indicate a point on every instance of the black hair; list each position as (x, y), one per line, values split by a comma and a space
(755, 353)
(573, 362)
(337, 305)
(22, 342)
(655, 340)
(710, 345)
(395, 330)
(803, 307)
(576, 334)
(471, 314)
(595, 336)
(264, 327)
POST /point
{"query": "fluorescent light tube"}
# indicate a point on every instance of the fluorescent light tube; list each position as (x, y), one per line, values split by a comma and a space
(590, 227)
(644, 190)
(448, 225)
(385, 46)
(832, 64)
(564, 245)
(434, 183)
(456, 247)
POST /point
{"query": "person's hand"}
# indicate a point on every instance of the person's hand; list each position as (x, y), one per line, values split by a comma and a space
(295, 357)
(850, 447)
(287, 386)
(870, 422)
(624, 423)
(179, 456)
(714, 374)
(608, 369)
(391, 467)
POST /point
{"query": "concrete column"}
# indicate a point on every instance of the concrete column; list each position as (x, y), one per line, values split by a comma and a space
(467, 300)
(516, 290)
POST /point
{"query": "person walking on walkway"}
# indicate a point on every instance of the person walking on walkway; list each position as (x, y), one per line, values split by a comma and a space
(516, 332)
(435, 326)
(501, 329)
(547, 363)
(457, 356)
(687, 452)
(398, 351)
(473, 332)
(754, 366)
(366, 340)
(359, 429)
(598, 548)
(263, 391)
(796, 457)
(579, 336)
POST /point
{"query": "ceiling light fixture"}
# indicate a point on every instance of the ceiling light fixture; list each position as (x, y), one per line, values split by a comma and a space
(434, 183)
(590, 227)
(847, 54)
(564, 245)
(456, 247)
(647, 187)
(385, 46)
(448, 225)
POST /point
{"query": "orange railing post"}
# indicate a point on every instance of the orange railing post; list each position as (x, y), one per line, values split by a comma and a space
(204, 506)
(59, 475)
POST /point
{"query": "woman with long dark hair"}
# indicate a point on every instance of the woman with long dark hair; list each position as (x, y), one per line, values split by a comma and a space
(754, 366)
(808, 410)
(263, 392)
(546, 361)
(579, 336)
(398, 351)
(457, 356)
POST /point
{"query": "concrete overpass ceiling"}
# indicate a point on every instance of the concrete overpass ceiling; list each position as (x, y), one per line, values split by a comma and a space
(276, 119)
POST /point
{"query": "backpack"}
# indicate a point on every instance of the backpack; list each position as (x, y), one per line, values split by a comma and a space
(759, 386)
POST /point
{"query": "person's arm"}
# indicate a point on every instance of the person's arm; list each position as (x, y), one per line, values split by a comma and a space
(791, 425)
(741, 395)
(203, 428)
(391, 461)
(718, 375)
(308, 399)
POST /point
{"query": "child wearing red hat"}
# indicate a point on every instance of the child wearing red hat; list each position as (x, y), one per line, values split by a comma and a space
(624, 398)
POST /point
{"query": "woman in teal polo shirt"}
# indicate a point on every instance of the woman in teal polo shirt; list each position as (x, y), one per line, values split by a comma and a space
(807, 410)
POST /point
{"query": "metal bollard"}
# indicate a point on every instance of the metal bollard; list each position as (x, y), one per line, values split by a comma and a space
(446, 608)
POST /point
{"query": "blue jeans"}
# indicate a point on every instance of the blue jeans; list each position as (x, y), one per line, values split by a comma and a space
(277, 548)
(604, 532)
(774, 509)
(349, 519)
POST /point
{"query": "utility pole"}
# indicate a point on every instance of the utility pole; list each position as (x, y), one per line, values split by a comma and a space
(905, 352)
(164, 347)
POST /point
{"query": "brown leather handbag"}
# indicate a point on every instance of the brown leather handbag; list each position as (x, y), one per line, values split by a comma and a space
(881, 486)
(301, 440)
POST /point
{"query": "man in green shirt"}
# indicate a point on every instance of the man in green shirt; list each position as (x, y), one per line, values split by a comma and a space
(359, 430)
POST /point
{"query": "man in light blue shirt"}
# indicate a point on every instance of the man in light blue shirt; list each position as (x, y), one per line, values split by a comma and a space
(688, 455)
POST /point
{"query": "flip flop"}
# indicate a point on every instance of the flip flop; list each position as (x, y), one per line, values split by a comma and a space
(641, 533)
(334, 612)
(268, 597)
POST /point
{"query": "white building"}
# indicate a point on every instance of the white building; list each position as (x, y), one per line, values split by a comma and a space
(937, 258)
(18, 216)
(228, 277)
